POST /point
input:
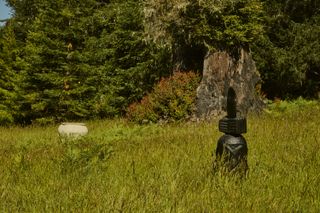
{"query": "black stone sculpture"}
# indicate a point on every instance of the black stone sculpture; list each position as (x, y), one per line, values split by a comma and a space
(232, 150)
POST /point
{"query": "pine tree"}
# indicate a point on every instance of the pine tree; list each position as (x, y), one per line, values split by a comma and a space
(288, 53)
(87, 59)
(191, 27)
(130, 66)
(8, 77)
(58, 82)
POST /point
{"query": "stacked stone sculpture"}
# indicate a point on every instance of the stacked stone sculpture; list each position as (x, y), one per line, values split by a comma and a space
(232, 150)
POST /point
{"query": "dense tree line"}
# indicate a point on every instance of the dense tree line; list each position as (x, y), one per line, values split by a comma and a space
(76, 59)
(92, 58)
(288, 52)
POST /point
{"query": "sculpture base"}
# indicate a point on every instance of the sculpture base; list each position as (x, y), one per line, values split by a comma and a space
(231, 154)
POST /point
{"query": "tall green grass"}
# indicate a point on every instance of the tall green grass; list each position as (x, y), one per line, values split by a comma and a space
(121, 167)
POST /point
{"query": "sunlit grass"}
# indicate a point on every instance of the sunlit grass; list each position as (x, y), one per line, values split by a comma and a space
(162, 168)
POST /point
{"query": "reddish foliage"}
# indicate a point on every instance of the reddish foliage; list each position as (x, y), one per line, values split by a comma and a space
(171, 99)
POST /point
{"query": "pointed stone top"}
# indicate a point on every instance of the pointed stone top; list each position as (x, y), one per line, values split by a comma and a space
(231, 103)
(231, 124)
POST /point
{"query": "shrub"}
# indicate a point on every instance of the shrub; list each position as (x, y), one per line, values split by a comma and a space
(5, 118)
(84, 154)
(279, 107)
(172, 99)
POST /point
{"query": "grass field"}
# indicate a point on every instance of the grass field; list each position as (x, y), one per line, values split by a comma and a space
(122, 167)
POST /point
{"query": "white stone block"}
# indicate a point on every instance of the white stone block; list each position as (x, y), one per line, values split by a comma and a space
(72, 129)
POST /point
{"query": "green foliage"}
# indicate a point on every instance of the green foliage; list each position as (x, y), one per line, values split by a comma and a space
(225, 25)
(288, 54)
(70, 60)
(9, 93)
(129, 65)
(87, 59)
(282, 107)
(83, 154)
(6, 117)
(57, 81)
(161, 168)
(172, 98)
(186, 25)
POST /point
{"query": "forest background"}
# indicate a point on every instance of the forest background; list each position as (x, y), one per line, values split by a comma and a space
(87, 59)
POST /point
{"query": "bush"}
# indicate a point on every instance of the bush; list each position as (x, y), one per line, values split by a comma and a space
(172, 99)
(5, 118)
(279, 107)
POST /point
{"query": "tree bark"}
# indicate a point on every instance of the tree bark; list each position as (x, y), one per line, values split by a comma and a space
(222, 70)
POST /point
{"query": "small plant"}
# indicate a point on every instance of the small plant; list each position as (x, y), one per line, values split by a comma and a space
(83, 154)
(278, 106)
(172, 99)
(44, 121)
(5, 118)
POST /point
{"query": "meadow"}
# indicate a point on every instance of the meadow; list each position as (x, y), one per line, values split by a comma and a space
(124, 167)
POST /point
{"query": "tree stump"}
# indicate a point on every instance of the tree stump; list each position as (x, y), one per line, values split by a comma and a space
(221, 70)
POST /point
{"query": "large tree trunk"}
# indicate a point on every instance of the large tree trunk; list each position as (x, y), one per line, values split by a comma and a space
(221, 71)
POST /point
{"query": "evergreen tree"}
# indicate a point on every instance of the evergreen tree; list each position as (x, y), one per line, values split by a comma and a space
(58, 82)
(130, 66)
(87, 59)
(24, 13)
(81, 59)
(288, 54)
(8, 77)
(192, 27)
